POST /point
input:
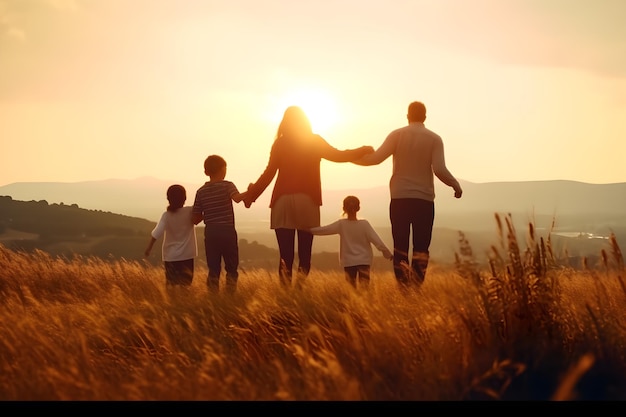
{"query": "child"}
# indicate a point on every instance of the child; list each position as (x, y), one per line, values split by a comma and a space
(179, 238)
(355, 239)
(213, 204)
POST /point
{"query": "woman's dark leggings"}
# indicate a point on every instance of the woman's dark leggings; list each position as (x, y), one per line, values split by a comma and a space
(286, 248)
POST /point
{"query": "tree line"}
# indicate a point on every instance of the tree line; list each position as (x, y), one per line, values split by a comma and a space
(68, 230)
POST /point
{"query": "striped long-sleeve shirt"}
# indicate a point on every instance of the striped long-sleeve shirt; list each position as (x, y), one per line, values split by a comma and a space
(214, 200)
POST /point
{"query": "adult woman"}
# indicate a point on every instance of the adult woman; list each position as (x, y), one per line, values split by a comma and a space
(296, 155)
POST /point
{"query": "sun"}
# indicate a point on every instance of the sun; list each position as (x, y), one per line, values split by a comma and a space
(319, 105)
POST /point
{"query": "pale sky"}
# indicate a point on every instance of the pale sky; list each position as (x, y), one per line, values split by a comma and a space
(519, 90)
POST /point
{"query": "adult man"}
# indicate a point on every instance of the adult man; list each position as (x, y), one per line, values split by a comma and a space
(418, 156)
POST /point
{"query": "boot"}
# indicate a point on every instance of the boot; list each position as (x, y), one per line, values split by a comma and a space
(301, 278)
(419, 264)
(284, 275)
(231, 285)
(351, 280)
(402, 272)
(213, 284)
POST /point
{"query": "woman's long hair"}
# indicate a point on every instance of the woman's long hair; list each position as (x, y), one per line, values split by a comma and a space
(295, 124)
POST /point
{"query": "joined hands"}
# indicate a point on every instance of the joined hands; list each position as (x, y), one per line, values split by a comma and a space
(247, 201)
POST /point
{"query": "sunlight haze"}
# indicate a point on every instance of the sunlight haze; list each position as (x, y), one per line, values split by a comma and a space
(519, 90)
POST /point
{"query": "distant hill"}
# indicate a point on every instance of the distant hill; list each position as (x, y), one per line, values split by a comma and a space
(145, 198)
(62, 229)
(68, 230)
(564, 206)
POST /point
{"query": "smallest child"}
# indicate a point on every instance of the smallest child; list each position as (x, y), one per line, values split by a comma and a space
(356, 237)
(179, 238)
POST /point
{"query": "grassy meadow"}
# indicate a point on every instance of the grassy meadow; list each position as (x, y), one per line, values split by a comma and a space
(523, 327)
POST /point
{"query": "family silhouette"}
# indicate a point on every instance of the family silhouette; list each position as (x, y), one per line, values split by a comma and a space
(294, 160)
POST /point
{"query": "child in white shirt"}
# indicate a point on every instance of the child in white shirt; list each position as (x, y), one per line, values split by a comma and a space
(356, 237)
(177, 229)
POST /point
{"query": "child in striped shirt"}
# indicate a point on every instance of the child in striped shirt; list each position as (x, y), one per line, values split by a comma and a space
(213, 205)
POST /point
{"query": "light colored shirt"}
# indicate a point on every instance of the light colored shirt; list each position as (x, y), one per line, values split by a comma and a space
(179, 235)
(356, 238)
(417, 154)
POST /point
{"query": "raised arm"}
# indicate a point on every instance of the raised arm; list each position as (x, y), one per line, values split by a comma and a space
(329, 229)
(348, 155)
(379, 155)
(331, 153)
(256, 189)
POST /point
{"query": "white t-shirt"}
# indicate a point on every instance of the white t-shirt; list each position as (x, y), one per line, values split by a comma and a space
(179, 235)
(356, 238)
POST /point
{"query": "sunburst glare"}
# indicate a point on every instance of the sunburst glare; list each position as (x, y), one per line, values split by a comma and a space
(319, 105)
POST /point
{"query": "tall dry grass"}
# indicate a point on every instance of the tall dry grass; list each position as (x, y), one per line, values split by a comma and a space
(522, 328)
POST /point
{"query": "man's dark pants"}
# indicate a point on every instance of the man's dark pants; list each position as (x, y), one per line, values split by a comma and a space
(417, 216)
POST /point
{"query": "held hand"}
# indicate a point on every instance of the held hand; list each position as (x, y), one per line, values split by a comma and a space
(367, 149)
(388, 255)
(247, 201)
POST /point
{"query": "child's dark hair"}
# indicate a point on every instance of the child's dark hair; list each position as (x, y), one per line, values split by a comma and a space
(176, 195)
(213, 164)
(351, 203)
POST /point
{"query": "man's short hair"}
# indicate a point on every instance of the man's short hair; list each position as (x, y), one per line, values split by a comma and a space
(417, 112)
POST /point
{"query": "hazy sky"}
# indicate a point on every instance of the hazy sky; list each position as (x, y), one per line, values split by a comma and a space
(520, 90)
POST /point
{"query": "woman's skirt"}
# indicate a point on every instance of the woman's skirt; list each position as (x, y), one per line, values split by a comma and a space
(294, 211)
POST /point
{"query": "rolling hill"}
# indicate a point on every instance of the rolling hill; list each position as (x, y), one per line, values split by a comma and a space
(568, 208)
